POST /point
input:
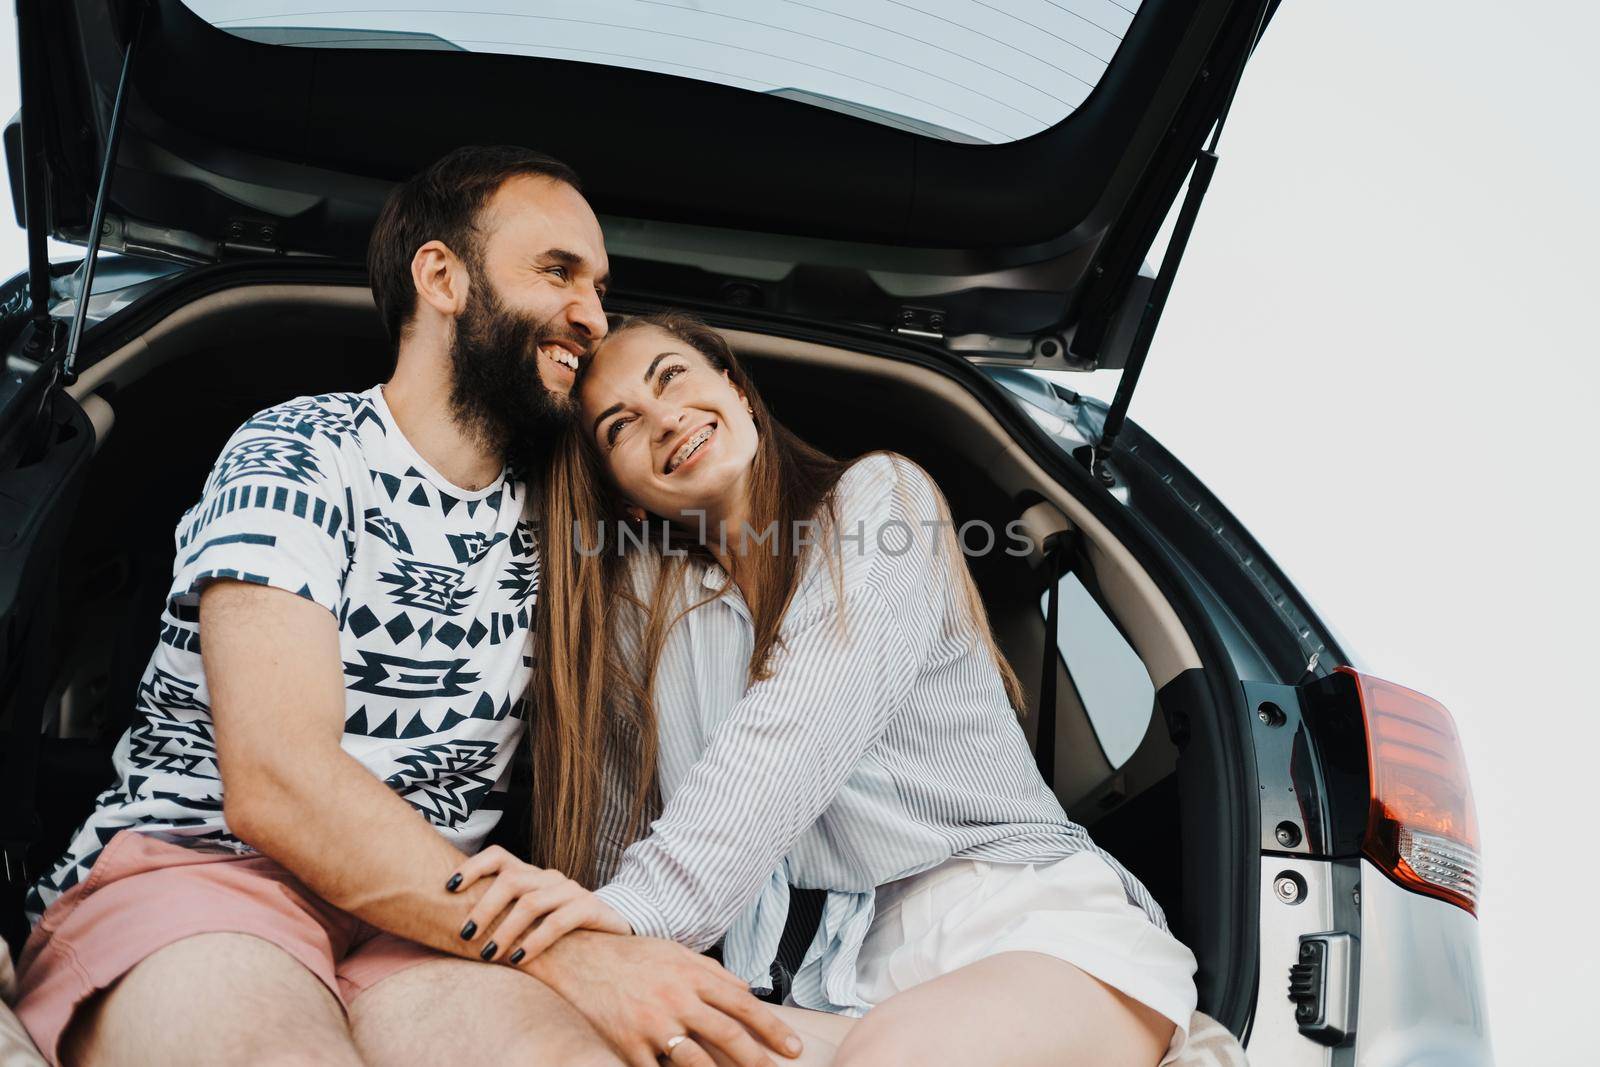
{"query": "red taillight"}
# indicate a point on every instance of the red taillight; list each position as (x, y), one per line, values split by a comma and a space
(1421, 828)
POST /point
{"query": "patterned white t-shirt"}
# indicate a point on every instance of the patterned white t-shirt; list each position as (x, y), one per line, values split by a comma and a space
(433, 588)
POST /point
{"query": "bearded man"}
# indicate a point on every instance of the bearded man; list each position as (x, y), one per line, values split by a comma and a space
(329, 719)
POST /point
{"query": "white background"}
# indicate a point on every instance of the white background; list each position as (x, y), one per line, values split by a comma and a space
(1381, 355)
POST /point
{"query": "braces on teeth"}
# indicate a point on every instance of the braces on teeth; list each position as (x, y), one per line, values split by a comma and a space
(690, 447)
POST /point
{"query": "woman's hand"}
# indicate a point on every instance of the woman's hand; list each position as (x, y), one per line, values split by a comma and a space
(530, 907)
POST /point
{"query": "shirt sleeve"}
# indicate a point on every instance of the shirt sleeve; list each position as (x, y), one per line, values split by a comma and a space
(851, 649)
(275, 510)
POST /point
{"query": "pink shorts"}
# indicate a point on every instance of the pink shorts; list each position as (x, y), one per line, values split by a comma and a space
(145, 893)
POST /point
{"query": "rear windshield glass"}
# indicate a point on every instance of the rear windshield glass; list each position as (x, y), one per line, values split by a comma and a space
(959, 70)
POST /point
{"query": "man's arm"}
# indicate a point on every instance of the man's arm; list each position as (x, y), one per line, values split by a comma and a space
(278, 699)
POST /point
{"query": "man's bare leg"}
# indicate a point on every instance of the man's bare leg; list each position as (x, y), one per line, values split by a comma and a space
(822, 1031)
(439, 1010)
(210, 999)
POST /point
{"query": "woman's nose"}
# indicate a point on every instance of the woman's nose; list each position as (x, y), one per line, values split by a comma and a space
(668, 422)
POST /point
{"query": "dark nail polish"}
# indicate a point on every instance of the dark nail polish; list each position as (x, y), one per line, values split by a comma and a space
(488, 951)
(468, 930)
(516, 957)
(454, 883)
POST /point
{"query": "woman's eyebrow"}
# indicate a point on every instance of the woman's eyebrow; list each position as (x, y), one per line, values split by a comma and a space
(603, 416)
(650, 371)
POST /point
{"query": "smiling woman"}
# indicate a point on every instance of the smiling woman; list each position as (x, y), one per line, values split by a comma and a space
(820, 619)
(958, 70)
(682, 425)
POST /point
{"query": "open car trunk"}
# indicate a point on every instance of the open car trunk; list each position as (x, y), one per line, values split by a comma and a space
(170, 387)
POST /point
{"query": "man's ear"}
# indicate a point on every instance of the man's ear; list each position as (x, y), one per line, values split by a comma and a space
(440, 279)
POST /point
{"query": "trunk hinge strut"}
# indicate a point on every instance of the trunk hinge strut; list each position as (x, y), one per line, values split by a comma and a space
(1205, 165)
(31, 74)
(102, 193)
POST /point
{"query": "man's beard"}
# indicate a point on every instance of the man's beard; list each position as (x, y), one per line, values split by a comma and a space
(496, 393)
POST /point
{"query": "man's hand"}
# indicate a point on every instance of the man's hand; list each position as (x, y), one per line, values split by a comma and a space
(641, 992)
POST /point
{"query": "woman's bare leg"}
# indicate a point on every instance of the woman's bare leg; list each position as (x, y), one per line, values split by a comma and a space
(1018, 1009)
(822, 1031)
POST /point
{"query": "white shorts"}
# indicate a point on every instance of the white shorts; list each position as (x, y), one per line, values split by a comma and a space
(1073, 909)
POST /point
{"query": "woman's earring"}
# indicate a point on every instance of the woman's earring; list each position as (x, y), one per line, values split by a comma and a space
(636, 514)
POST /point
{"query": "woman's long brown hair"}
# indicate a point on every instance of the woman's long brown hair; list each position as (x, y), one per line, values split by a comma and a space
(591, 709)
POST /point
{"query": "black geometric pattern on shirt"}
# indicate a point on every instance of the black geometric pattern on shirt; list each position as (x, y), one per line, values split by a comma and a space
(322, 514)
(162, 739)
(397, 676)
(521, 579)
(470, 548)
(162, 743)
(390, 483)
(362, 412)
(272, 457)
(349, 539)
(68, 873)
(306, 417)
(180, 637)
(446, 782)
(525, 542)
(74, 866)
(420, 489)
(413, 487)
(387, 530)
(361, 722)
(260, 540)
(239, 576)
(167, 692)
(210, 803)
(450, 635)
(487, 709)
(34, 903)
(363, 621)
(429, 586)
(503, 624)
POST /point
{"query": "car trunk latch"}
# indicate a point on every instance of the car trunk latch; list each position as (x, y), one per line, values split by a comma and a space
(1322, 987)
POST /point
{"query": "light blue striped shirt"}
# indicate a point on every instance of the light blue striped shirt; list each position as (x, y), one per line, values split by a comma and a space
(882, 745)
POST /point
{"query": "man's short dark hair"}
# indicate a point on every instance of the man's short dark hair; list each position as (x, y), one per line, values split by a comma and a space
(442, 204)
